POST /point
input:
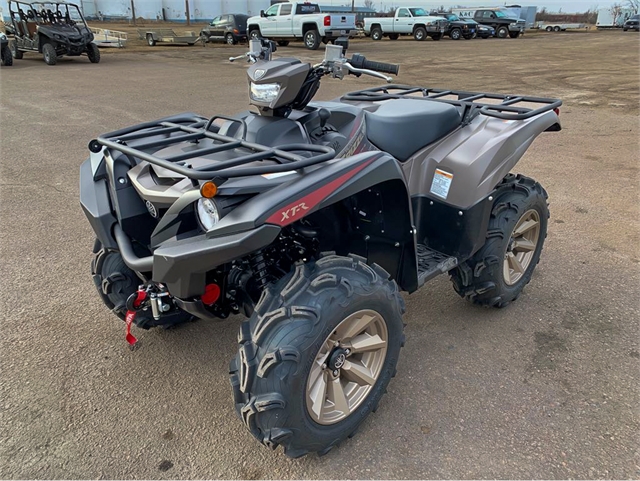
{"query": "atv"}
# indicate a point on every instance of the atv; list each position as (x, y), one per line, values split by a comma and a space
(309, 218)
(5, 51)
(53, 29)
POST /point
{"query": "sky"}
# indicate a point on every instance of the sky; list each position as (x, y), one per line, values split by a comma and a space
(567, 6)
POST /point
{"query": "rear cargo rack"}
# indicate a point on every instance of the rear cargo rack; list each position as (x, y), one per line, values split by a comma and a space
(473, 103)
(193, 129)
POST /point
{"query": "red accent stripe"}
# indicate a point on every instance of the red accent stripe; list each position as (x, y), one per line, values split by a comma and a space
(301, 207)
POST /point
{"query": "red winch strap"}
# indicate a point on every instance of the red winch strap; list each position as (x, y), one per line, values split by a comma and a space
(131, 339)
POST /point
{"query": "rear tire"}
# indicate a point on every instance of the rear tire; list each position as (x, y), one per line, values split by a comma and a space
(49, 54)
(17, 54)
(228, 38)
(549, 29)
(376, 34)
(556, 29)
(419, 34)
(502, 32)
(7, 56)
(277, 374)
(312, 39)
(486, 278)
(150, 40)
(93, 52)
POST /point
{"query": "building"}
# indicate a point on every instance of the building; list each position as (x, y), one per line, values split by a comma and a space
(173, 10)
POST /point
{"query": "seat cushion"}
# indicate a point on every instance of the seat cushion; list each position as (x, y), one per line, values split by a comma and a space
(404, 126)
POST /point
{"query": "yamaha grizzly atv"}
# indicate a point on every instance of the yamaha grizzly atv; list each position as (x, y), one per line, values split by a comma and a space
(5, 51)
(309, 218)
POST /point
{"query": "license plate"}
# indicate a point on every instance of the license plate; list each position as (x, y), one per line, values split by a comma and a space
(472, 30)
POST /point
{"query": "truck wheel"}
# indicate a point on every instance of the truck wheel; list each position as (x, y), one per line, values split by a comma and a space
(317, 354)
(394, 36)
(17, 54)
(312, 39)
(514, 34)
(498, 272)
(7, 56)
(455, 34)
(420, 34)
(502, 32)
(93, 52)
(548, 29)
(228, 38)
(283, 43)
(150, 40)
(376, 34)
(49, 54)
(254, 34)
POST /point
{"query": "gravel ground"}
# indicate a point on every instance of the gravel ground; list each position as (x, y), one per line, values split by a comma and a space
(546, 388)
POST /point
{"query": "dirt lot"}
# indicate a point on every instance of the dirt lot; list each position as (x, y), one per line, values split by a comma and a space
(546, 388)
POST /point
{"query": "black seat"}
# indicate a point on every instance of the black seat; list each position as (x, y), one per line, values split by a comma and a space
(404, 126)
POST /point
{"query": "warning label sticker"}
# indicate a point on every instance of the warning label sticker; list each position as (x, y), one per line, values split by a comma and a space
(441, 183)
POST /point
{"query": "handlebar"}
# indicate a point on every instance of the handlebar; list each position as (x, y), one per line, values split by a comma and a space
(360, 62)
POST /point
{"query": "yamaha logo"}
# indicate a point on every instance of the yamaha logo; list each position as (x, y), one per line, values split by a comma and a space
(152, 209)
(258, 73)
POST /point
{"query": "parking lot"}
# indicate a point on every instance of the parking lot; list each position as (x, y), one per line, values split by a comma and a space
(545, 388)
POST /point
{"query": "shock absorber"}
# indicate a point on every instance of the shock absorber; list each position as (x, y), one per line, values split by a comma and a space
(259, 268)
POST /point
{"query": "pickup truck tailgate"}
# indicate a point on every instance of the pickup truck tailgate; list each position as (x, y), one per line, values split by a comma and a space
(341, 22)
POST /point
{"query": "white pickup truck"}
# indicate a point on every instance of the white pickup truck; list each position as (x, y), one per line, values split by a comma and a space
(406, 21)
(288, 21)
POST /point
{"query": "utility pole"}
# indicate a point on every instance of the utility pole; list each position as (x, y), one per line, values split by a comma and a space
(186, 4)
(353, 6)
(133, 12)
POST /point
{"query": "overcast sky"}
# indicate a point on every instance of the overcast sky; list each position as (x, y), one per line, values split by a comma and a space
(568, 6)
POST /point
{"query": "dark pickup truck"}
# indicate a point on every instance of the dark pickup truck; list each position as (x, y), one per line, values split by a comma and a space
(503, 21)
(457, 28)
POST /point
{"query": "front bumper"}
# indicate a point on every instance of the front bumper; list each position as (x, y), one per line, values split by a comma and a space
(516, 27)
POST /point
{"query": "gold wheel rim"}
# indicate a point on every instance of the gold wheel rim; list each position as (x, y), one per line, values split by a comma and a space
(521, 247)
(338, 385)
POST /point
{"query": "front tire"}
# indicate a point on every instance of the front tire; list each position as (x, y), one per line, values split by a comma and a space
(312, 39)
(93, 52)
(499, 271)
(455, 34)
(254, 34)
(49, 54)
(502, 32)
(419, 34)
(7, 56)
(337, 315)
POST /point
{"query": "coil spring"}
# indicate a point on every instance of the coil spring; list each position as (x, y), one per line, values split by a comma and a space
(259, 267)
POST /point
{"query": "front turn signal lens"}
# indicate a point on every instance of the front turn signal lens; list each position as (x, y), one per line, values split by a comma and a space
(208, 190)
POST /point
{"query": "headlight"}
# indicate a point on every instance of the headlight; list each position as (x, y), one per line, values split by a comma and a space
(264, 92)
(429, 23)
(208, 213)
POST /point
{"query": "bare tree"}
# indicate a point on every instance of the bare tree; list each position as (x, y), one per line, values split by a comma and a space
(634, 5)
(369, 4)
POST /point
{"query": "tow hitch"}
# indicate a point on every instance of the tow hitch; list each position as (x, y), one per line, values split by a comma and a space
(150, 296)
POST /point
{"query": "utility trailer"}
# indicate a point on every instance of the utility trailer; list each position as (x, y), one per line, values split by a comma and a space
(167, 35)
(560, 27)
(109, 38)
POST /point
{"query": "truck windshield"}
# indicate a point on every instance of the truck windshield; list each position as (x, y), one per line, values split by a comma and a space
(418, 12)
(307, 8)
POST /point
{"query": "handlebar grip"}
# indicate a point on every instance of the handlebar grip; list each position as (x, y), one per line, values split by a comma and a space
(360, 61)
(381, 67)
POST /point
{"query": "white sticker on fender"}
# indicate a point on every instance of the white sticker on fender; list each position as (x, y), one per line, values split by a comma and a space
(441, 183)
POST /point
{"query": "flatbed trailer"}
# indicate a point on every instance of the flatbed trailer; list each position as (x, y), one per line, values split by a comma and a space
(560, 27)
(167, 35)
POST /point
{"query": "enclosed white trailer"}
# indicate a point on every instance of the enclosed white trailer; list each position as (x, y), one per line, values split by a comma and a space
(613, 17)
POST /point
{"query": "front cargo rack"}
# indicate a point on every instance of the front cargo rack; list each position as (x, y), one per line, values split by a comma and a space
(503, 107)
(194, 129)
